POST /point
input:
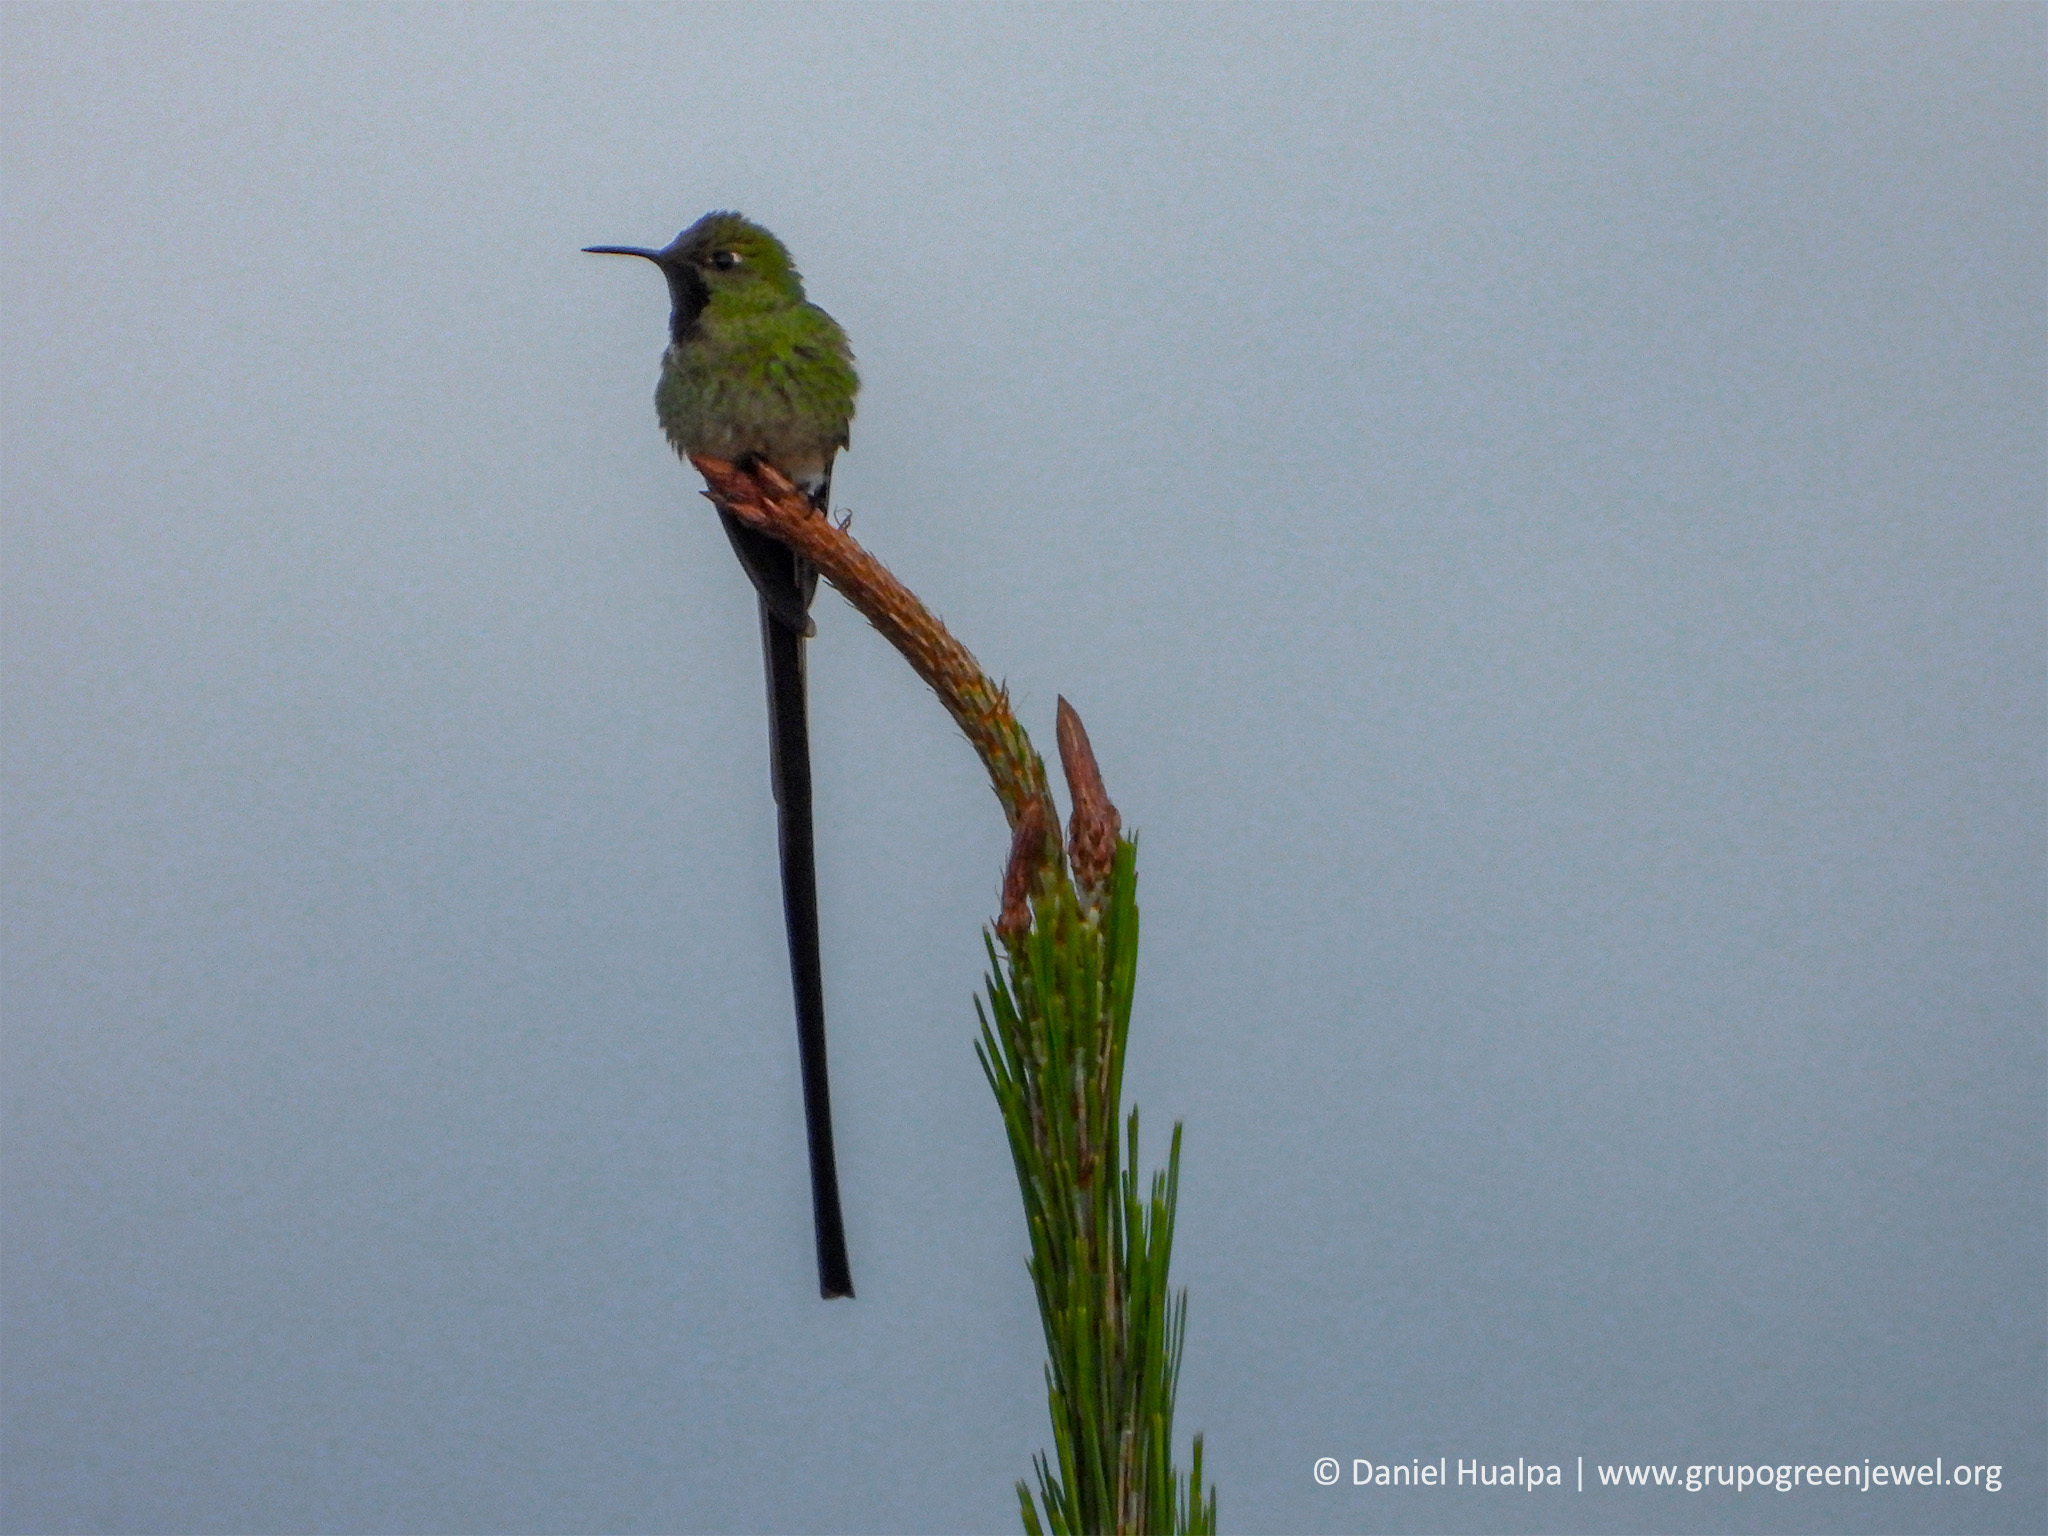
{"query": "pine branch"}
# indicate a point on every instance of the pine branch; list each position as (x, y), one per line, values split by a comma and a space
(763, 499)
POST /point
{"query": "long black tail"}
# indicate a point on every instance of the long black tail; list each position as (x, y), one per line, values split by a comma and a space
(785, 585)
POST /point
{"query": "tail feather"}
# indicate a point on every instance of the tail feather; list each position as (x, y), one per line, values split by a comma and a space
(784, 582)
(785, 585)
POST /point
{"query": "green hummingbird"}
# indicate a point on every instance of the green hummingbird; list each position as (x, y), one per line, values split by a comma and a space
(756, 374)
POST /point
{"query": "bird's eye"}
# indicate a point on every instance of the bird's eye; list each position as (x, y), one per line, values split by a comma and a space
(725, 261)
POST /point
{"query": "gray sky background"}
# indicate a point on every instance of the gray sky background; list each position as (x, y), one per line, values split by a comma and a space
(1541, 509)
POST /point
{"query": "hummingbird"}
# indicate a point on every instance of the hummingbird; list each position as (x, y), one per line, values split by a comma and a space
(756, 374)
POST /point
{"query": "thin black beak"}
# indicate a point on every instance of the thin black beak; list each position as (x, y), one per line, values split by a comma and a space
(621, 250)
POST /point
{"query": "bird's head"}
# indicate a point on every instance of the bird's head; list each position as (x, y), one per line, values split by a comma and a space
(722, 255)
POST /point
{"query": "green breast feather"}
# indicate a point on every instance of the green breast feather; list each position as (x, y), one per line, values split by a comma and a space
(774, 380)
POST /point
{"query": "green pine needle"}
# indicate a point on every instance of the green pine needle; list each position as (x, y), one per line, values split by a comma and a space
(1053, 1026)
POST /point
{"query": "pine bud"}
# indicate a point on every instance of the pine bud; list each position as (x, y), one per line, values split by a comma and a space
(1092, 829)
(1027, 853)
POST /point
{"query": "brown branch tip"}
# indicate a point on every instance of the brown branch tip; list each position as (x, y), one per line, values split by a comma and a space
(1093, 828)
(1027, 857)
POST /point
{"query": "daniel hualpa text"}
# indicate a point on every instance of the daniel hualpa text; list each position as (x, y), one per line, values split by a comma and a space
(1444, 1473)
